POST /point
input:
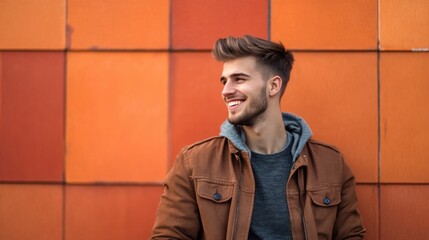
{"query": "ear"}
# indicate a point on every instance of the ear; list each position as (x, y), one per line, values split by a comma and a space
(275, 85)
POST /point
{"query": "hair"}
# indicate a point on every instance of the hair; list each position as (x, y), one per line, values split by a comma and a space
(272, 56)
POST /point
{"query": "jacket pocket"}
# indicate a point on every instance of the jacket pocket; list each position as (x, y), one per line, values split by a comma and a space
(326, 196)
(324, 205)
(215, 191)
(214, 205)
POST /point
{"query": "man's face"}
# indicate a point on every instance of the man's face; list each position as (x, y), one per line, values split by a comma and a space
(244, 91)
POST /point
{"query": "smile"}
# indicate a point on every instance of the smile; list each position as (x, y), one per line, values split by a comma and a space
(234, 103)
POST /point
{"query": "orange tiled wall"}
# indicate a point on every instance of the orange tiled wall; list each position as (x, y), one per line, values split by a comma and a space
(97, 97)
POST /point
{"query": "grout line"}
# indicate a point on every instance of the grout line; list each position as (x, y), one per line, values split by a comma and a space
(64, 192)
(64, 174)
(117, 184)
(170, 50)
(378, 121)
(169, 114)
(379, 142)
(169, 93)
(95, 184)
(64, 181)
(63, 187)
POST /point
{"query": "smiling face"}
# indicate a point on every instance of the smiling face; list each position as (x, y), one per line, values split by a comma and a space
(244, 91)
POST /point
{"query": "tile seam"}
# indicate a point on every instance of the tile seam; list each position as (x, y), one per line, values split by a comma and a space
(379, 143)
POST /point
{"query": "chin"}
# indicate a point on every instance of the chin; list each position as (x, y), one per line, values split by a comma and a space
(233, 120)
(240, 121)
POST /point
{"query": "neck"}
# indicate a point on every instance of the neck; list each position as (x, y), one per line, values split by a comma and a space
(266, 136)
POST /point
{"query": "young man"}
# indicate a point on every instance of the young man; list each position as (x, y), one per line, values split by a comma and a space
(263, 177)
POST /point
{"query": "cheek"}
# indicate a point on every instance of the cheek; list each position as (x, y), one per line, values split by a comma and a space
(248, 89)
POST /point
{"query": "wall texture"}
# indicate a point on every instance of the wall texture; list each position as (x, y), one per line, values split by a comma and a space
(97, 97)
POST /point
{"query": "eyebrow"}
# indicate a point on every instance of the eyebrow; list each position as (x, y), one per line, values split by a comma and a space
(235, 75)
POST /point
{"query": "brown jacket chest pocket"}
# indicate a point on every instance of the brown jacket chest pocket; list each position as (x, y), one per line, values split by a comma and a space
(217, 192)
(214, 203)
(324, 205)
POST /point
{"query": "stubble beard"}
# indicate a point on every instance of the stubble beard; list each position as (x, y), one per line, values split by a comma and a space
(254, 111)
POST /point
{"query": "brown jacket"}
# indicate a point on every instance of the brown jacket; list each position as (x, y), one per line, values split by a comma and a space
(209, 193)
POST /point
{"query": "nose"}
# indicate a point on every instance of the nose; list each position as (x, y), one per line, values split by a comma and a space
(228, 89)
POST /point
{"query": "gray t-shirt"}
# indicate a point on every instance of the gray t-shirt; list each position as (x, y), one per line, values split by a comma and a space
(270, 218)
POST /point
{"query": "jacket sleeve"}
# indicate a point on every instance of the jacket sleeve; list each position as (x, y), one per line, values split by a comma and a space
(348, 224)
(177, 215)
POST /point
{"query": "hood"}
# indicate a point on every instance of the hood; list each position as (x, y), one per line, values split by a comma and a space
(293, 124)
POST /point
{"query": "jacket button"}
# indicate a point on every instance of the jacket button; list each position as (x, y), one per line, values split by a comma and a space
(326, 201)
(217, 196)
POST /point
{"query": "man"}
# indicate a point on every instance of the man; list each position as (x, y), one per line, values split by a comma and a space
(263, 177)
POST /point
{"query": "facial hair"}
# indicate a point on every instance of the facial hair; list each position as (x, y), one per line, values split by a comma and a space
(254, 110)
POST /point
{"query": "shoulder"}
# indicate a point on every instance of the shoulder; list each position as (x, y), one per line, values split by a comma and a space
(215, 147)
(322, 146)
(206, 144)
(323, 154)
(326, 164)
(207, 158)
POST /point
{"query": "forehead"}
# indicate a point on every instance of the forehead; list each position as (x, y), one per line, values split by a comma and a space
(246, 65)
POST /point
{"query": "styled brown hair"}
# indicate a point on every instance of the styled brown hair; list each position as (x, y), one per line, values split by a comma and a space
(274, 59)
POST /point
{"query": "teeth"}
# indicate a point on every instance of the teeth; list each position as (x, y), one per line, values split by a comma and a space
(234, 103)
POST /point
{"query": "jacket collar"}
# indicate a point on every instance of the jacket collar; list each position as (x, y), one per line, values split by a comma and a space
(293, 124)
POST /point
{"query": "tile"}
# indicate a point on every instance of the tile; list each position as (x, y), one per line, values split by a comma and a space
(198, 24)
(404, 211)
(31, 116)
(110, 212)
(368, 206)
(197, 109)
(404, 117)
(117, 107)
(31, 211)
(336, 93)
(128, 24)
(404, 25)
(314, 24)
(32, 24)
